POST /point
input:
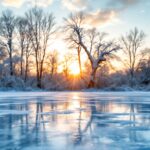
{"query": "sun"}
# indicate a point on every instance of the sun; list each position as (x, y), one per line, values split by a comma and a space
(74, 69)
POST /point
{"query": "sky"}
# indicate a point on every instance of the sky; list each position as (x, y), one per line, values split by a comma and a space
(116, 17)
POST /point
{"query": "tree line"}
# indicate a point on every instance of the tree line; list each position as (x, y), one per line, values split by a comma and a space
(24, 43)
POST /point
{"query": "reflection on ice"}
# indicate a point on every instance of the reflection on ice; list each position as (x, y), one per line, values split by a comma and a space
(74, 121)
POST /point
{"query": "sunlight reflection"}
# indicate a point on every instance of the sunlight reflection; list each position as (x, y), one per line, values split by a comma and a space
(74, 120)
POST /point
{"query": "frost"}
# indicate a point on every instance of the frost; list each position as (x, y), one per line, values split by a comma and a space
(106, 140)
(57, 112)
(74, 120)
(13, 112)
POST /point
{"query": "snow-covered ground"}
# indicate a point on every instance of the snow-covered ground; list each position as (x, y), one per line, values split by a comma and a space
(74, 120)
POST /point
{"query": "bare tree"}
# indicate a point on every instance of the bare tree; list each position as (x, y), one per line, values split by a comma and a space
(132, 49)
(3, 55)
(52, 62)
(91, 41)
(22, 30)
(28, 54)
(7, 28)
(68, 58)
(41, 27)
(25, 45)
(78, 48)
(143, 67)
(79, 59)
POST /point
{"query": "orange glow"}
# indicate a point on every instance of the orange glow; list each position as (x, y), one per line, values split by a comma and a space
(74, 69)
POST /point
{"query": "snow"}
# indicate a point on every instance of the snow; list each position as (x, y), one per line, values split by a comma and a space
(106, 140)
(74, 120)
(67, 93)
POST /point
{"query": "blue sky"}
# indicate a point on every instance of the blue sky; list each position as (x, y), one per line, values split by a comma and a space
(113, 16)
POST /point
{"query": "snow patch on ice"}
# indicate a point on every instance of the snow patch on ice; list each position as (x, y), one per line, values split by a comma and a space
(106, 140)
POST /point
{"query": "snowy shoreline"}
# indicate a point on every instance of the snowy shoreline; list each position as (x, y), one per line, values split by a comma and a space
(78, 93)
(108, 89)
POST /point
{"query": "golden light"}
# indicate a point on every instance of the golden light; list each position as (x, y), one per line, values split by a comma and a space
(74, 69)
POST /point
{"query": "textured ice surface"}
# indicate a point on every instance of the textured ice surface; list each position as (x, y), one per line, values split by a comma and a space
(74, 120)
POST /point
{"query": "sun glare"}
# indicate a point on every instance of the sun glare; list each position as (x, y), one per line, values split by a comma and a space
(74, 69)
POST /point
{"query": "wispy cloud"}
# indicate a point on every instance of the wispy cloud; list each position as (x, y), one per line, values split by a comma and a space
(75, 5)
(111, 13)
(41, 3)
(13, 3)
(95, 17)
(126, 2)
(99, 18)
(19, 3)
(123, 4)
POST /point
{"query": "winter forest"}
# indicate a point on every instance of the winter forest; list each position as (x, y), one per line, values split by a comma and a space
(91, 60)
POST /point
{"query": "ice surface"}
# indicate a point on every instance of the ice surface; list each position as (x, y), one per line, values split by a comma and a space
(74, 120)
(13, 112)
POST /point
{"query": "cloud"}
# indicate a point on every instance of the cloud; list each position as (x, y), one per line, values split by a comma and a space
(109, 15)
(99, 17)
(123, 3)
(75, 5)
(19, 3)
(13, 3)
(127, 2)
(42, 3)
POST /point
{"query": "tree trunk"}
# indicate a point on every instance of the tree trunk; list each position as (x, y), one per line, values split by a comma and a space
(11, 65)
(39, 85)
(92, 78)
(79, 60)
(38, 80)
(38, 76)
(26, 70)
(21, 64)
(37, 69)
(10, 57)
(52, 72)
(132, 77)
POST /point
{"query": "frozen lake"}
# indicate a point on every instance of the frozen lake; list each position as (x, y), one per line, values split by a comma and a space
(74, 121)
